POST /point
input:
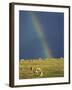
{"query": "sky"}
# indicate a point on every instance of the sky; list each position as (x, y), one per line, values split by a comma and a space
(41, 34)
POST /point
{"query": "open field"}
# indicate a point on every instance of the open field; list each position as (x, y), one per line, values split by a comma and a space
(52, 67)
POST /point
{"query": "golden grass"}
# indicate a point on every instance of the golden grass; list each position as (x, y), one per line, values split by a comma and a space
(52, 67)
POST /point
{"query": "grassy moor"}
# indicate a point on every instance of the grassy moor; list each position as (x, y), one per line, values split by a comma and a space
(41, 68)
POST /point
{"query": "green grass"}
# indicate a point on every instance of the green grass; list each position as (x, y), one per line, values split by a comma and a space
(52, 67)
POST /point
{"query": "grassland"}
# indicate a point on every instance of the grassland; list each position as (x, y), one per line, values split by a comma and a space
(52, 67)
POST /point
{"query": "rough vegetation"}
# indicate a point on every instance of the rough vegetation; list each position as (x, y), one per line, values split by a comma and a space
(41, 68)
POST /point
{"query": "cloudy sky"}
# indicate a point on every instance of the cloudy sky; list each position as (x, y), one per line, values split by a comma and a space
(41, 34)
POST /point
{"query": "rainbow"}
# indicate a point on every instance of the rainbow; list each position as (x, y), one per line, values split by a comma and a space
(39, 31)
